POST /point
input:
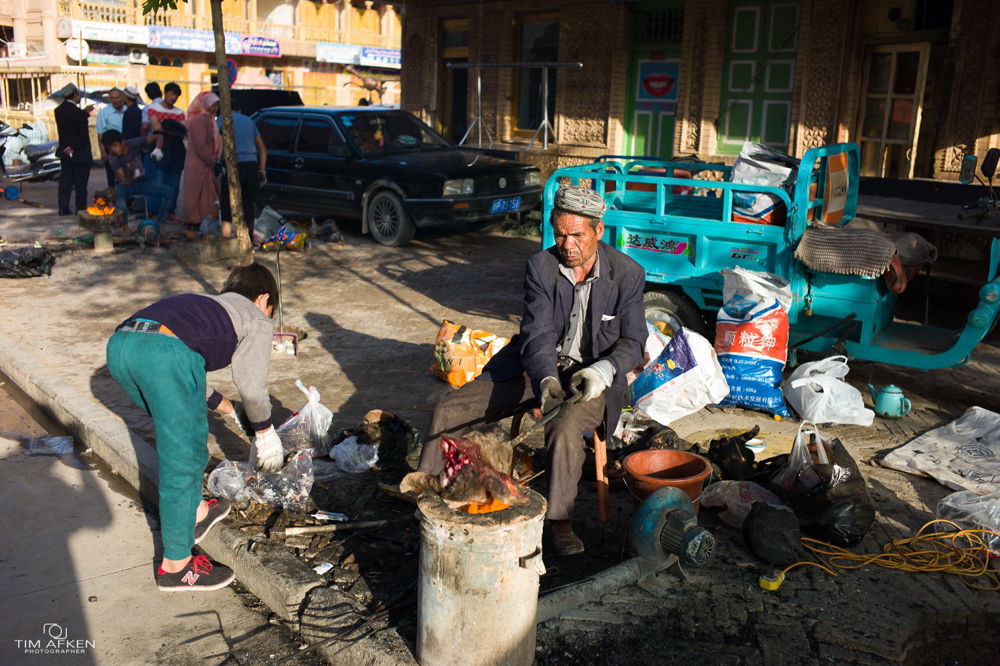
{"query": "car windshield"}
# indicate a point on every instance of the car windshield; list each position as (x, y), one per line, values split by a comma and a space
(379, 133)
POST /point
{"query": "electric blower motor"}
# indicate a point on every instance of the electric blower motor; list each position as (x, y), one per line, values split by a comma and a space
(665, 525)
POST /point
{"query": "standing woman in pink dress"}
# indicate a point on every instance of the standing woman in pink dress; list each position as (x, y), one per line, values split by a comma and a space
(201, 192)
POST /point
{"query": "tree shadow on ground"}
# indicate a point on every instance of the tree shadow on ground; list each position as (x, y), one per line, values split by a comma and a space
(385, 373)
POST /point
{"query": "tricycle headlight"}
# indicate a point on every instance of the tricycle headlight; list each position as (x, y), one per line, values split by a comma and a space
(458, 186)
(533, 178)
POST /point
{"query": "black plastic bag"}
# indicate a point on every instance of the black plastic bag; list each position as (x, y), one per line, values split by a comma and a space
(831, 499)
(26, 262)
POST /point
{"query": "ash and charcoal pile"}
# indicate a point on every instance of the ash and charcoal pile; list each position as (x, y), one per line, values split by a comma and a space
(321, 499)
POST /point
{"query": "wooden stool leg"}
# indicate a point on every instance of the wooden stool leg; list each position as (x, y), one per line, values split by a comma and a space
(601, 460)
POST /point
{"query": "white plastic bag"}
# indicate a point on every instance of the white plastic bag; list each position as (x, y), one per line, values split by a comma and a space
(760, 165)
(308, 428)
(349, 457)
(818, 393)
(974, 512)
(800, 460)
(684, 378)
(288, 488)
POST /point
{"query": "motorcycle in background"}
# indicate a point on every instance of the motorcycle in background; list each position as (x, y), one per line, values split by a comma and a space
(43, 164)
(987, 209)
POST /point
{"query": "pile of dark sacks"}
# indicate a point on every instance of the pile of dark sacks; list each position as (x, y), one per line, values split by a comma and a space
(26, 262)
(819, 493)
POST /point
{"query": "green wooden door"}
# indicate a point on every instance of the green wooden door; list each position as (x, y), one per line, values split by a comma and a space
(653, 73)
(758, 75)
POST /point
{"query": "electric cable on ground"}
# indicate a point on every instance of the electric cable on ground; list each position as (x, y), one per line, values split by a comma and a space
(963, 553)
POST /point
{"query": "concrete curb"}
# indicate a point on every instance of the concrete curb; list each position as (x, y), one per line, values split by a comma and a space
(289, 588)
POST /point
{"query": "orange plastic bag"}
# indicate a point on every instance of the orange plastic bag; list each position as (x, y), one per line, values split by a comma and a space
(460, 353)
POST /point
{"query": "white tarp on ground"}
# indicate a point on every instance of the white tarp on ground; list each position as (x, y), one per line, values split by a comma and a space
(963, 455)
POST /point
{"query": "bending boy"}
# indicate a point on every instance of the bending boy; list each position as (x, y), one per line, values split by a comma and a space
(160, 356)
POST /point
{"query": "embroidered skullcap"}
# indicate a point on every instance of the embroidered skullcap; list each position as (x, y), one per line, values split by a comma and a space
(131, 93)
(580, 201)
(68, 91)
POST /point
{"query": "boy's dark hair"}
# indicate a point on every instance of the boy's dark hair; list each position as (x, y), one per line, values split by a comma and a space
(252, 281)
(153, 91)
(110, 137)
(171, 87)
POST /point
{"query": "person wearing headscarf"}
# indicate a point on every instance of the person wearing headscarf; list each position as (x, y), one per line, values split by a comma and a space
(200, 189)
(583, 330)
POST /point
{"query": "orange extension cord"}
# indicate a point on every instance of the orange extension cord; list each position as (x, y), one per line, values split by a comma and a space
(963, 553)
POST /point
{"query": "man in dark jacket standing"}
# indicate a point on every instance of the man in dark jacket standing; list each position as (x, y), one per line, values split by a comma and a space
(583, 329)
(73, 149)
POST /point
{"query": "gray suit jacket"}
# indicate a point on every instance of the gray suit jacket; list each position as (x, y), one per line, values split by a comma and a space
(616, 313)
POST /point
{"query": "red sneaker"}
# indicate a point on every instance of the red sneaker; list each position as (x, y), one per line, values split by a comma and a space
(201, 574)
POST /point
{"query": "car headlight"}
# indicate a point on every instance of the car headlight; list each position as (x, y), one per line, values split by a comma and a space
(458, 186)
(533, 178)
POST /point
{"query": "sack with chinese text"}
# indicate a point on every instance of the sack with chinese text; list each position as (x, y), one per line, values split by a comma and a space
(751, 339)
(461, 352)
(684, 378)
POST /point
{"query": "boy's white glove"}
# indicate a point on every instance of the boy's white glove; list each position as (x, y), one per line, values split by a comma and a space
(266, 453)
(156, 155)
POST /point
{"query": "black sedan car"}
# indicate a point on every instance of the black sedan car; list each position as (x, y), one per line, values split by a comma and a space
(386, 167)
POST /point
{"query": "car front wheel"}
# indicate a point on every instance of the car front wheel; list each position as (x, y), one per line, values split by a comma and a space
(388, 220)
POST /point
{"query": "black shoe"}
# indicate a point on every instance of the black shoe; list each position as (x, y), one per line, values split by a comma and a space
(217, 510)
(201, 574)
(64, 213)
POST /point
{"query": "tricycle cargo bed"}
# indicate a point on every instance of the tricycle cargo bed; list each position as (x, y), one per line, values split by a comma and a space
(686, 222)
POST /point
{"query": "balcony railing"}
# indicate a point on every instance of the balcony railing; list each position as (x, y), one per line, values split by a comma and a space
(130, 13)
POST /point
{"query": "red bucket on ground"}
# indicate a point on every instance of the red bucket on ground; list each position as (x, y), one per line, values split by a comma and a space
(648, 471)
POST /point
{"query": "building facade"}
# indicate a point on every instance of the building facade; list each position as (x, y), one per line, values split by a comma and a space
(288, 44)
(915, 82)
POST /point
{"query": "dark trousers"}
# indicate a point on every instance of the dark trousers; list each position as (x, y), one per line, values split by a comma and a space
(73, 175)
(144, 187)
(111, 174)
(248, 193)
(495, 401)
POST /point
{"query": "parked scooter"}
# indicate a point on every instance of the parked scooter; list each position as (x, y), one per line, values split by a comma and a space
(42, 161)
(987, 209)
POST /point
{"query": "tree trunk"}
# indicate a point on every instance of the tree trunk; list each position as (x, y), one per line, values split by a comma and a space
(229, 139)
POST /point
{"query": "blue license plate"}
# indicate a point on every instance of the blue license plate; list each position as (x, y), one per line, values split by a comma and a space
(505, 205)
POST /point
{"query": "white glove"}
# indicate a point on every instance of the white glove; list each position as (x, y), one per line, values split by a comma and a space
(156, 155)
(588, 382)
(266, 453)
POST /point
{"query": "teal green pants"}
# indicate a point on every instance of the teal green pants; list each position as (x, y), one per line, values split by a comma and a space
(164, 377)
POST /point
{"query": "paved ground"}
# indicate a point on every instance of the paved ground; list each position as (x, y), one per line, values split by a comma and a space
(372, 314)
(77, 553)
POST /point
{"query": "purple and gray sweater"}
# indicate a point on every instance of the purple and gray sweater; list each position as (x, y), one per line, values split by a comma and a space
(225, 330)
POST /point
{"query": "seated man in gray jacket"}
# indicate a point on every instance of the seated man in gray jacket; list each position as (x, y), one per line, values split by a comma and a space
(160, 356)
(583, 329)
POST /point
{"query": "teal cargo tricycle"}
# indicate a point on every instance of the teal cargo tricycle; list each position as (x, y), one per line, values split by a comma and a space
(683, 232)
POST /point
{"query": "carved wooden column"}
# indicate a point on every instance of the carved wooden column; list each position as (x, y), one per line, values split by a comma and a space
(974, 43)
(823, 42)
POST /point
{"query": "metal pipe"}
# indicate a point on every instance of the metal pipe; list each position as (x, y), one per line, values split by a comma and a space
(558, 602)
(479, 107)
